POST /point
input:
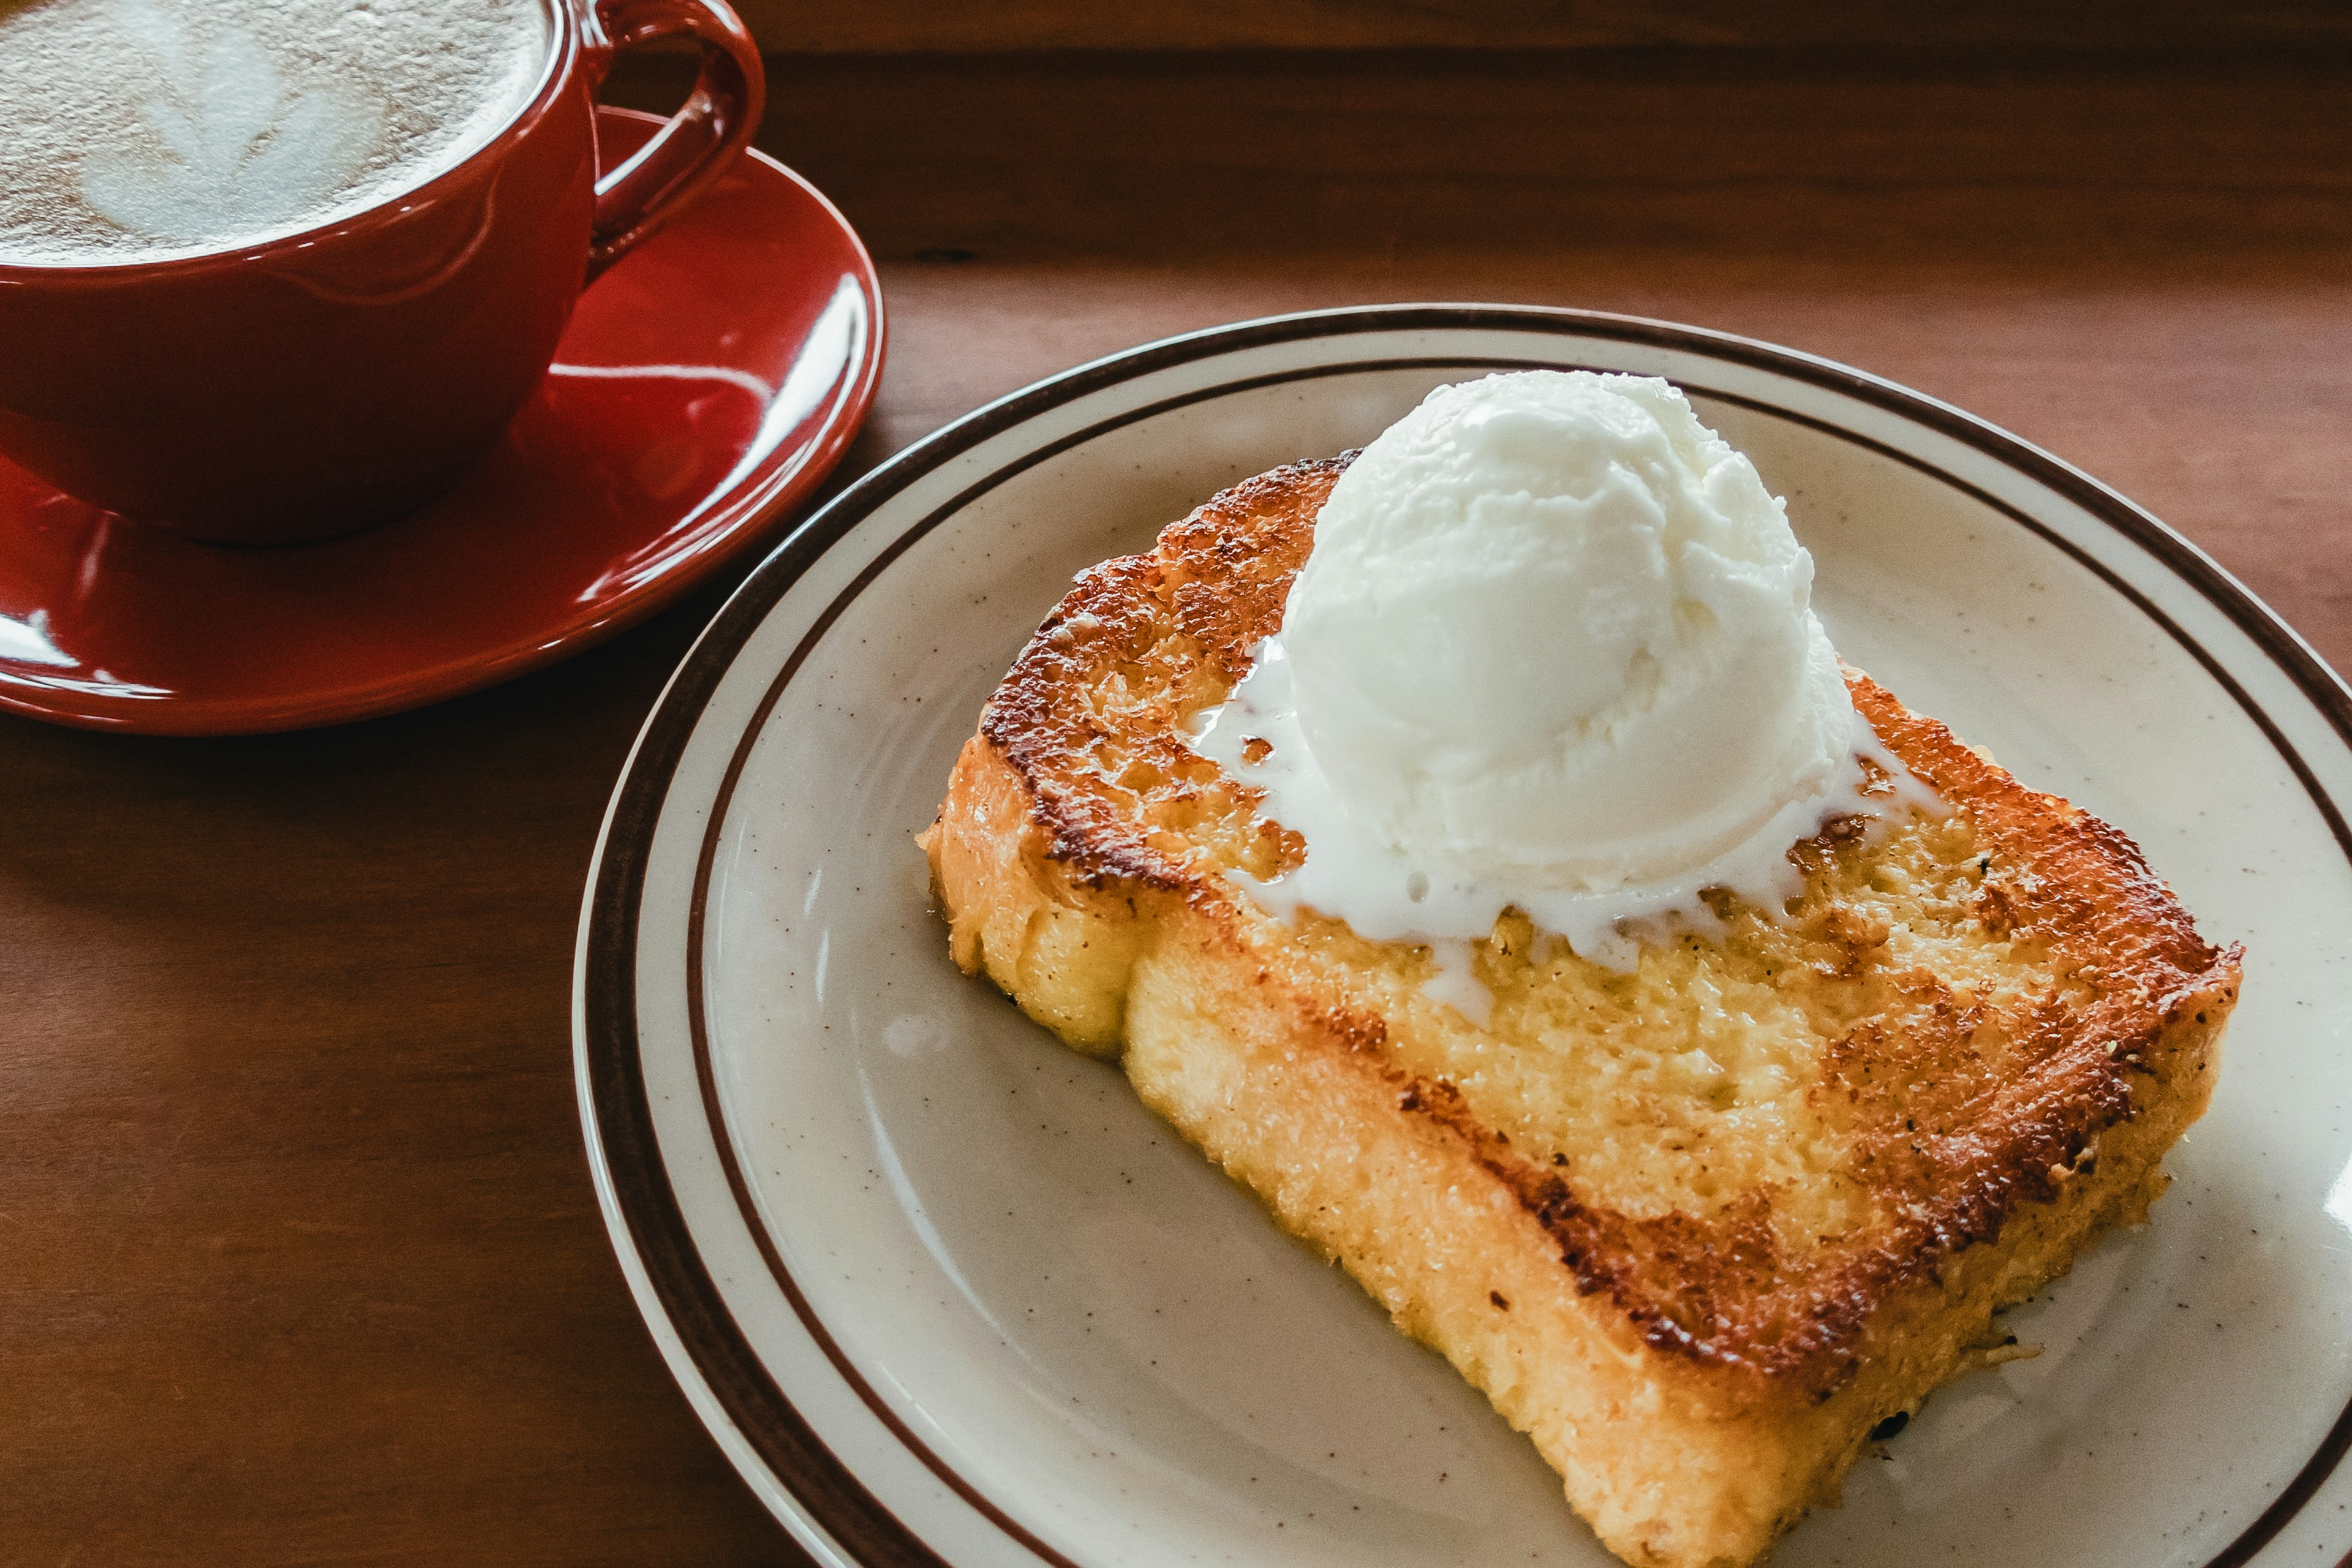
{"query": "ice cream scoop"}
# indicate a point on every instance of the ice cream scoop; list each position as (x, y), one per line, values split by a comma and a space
(1554, 628)
(1553, 648)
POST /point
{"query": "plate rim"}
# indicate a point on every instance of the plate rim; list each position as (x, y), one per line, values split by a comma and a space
(758, 501)
(710, 1355)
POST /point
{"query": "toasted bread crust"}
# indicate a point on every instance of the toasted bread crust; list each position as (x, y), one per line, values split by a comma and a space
(1080, 856)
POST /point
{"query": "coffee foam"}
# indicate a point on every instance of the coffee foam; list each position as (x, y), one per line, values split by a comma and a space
(141, 130)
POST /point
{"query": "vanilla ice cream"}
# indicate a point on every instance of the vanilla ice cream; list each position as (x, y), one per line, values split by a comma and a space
(1553, 648)
(1554, 628)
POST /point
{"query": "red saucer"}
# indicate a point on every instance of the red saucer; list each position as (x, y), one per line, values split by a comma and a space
(705, 385)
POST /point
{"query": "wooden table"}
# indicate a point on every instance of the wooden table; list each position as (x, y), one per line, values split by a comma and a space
(299, 1259)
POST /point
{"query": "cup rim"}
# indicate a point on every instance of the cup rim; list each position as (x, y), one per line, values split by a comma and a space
(565, 46)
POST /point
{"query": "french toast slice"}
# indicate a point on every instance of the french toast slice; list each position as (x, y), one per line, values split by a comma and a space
(1696, 1228)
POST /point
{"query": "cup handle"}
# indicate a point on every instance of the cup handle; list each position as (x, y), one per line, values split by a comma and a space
(700, 140)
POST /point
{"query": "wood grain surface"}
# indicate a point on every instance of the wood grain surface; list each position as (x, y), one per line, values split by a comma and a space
(908, 27)
(299, 1257)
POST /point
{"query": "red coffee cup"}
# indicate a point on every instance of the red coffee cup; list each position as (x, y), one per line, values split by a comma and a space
(315, 384)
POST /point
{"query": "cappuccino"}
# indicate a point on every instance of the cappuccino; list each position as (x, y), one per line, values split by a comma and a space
(144, 130)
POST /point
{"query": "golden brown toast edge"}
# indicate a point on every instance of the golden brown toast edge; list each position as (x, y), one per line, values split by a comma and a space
(1681, 1450)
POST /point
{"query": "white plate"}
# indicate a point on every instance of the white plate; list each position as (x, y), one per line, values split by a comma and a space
(945, 1293)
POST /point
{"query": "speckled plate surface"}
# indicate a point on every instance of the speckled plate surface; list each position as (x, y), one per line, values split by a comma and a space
(947, 1294)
